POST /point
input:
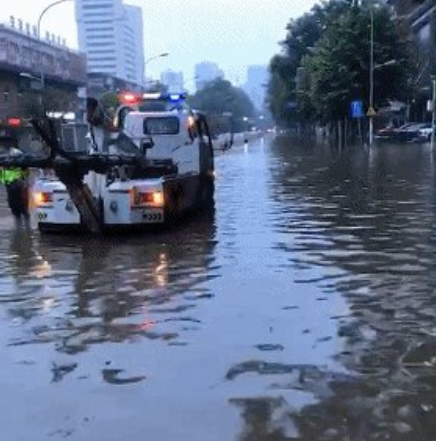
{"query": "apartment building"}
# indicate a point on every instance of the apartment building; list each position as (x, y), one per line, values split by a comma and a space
(110, 33)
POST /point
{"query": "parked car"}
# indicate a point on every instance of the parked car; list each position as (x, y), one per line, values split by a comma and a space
(386, 133)
(425, 133)
(410, 132)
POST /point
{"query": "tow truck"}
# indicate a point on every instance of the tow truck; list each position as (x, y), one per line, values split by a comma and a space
(150, 163)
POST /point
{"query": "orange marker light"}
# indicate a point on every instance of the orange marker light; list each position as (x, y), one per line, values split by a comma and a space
(42, 198)
(158, 198)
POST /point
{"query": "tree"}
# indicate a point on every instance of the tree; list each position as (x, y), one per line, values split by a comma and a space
(339, 68)
(109, 100)
(220, 96)
(329, 48)
(302, 35)
(156, 87)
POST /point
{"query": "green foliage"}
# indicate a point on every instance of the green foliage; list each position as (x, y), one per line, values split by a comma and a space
(329, 48)
(340, 66)
(156, 87)
(219, 97)
(109, 102)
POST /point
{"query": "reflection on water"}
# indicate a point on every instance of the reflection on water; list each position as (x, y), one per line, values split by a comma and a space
(367, 221)
(303, 309)
(92, 290)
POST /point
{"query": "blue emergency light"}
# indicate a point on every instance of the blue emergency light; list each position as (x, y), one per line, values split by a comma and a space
(175, 97)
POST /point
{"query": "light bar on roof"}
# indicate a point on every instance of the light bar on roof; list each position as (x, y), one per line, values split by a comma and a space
(129, 98)
(175, 96)
(152, 96)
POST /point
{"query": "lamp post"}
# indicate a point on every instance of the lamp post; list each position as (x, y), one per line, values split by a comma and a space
(162, 55)
(154, 57)
(433, 110)
(45, 10)
(373, 67)
(371, 79)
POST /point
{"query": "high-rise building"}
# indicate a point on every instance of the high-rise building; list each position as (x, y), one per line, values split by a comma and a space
(206, 72)
(111, 35)
(173, 80)
(257, 78)
(133, 29)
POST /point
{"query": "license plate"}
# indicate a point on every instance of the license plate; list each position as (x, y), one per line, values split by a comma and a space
(152, 216)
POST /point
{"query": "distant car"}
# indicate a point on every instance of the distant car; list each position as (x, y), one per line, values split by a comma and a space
(410, 132)
(386, 132)
(425, 133)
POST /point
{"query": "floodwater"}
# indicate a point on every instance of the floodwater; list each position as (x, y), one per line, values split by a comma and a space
(304, 308)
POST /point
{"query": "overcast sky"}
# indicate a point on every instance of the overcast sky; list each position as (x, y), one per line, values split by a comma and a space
(232, 33)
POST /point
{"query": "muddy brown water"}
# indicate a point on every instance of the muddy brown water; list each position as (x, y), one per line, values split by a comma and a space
(303, 308)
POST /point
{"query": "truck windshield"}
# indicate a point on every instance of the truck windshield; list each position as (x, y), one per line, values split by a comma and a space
(161, 126)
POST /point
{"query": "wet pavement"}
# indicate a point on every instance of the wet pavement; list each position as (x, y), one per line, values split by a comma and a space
(304, 308)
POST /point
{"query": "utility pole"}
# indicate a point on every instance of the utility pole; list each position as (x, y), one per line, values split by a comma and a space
(371, 80)
(433, 110)
(44, 11)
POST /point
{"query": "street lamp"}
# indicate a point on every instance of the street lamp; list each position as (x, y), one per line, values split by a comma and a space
(371, 79)
(386, 64)
(372, 67)
(162, 55)
(154, 57)
(45, 10)
(433, 118)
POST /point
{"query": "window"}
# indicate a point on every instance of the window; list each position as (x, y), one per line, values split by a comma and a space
(161, 126)
(97, 59)
(100, 51)
(106, 29)
(99, 14)
(99, 6)
(110, 67)
(100, 37)
(98, 21)
(97, 44)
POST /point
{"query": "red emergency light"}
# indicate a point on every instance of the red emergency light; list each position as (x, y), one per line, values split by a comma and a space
(14, 122)
(130, 98)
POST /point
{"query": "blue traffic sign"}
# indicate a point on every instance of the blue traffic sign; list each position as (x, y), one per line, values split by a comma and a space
(357, 109)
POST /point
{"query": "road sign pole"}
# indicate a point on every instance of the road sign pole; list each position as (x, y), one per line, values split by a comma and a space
(371, 77)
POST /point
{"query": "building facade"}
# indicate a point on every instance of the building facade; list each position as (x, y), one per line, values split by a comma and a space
(27, 64)
(99, 83)
(257, 79)
(172, 80)
(206, 72)
(110, 33)
(417, 19)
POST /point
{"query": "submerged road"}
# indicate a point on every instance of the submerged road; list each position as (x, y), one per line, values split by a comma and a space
(304, 308)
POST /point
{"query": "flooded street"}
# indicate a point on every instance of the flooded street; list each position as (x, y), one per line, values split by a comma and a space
(304, 308)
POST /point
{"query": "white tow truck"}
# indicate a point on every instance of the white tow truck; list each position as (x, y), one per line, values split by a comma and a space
(150, 164)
